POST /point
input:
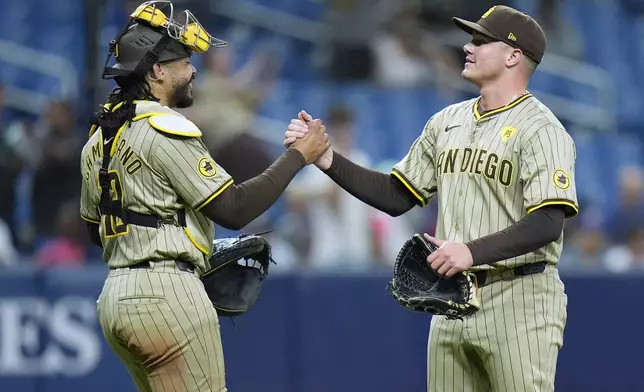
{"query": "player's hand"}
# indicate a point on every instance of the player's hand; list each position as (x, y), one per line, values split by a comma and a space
(450, 258)
(314, 143)
(297, 129)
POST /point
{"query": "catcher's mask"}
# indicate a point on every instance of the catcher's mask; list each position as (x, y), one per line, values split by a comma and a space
(155, 34)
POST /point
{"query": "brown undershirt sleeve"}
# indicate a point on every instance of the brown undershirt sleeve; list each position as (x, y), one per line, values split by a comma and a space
(240, 204)
(530, 233)
(376, 189)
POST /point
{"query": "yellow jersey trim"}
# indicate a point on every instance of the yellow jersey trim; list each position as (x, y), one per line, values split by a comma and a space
(118, 133)
(86, 219)
(195, 243)
(92, 129)
(145, 115)
(217, 193)
(116, 138)
(409, 186)
(512, 104)
(566, 203)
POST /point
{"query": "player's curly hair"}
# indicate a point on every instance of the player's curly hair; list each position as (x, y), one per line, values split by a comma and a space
(129, 89)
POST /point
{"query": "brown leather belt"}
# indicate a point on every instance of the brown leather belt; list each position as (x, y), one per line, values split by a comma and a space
(522, 270)
(181, 265)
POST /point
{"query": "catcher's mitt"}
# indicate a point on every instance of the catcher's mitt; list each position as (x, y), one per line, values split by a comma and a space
(416, 286)
(238, 268)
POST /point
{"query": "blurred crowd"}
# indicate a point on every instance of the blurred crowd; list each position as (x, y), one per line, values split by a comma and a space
(316, 225)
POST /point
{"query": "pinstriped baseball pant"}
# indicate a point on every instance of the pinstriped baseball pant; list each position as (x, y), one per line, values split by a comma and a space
(161, 324)
(511, 344)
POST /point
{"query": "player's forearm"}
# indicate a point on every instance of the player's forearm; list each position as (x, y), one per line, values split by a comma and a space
(240, 204)
(379, 190)
(530, 233)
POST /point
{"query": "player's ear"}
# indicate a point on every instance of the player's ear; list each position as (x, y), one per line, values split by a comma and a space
(513, 57)
(157, 73)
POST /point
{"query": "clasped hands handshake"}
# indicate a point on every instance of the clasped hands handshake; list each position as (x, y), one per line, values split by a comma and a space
(309, 137)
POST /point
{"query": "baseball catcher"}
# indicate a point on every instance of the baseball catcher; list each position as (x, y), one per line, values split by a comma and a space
(416, 286)
(152, 194)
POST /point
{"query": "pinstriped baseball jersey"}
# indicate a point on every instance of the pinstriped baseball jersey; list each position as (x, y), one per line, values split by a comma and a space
(159, 166)
(489, 170)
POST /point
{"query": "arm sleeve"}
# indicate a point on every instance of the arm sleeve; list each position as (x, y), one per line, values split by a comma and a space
(376, 189)
(190, 169)
(238, 205)
(548, 170)
(417, 170)
(530, 233)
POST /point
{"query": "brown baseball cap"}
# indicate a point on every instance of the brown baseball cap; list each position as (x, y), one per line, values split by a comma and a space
(513, 27)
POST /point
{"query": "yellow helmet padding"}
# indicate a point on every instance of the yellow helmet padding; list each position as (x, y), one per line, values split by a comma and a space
(192, 34)
(196, 38)
(150, 14)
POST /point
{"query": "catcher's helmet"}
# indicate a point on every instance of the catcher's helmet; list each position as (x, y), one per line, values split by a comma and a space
(155, 34)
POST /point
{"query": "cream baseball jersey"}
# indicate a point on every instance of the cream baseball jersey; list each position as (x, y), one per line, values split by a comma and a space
(490, 169)
(159, 166)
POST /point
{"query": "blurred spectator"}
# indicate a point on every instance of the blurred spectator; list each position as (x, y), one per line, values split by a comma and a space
(437, 14)
(407, 55)
(19, 155)
(294, 230)
(226, 101)
(340, 234)
(68, 245)
(629, 256)
(10, 166)
(352, 24)
(563, 38)
(56, 179)
(629, 210)
(8, 253)
(585, 252)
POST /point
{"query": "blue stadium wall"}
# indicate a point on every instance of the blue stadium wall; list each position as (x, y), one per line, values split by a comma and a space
(307, 333)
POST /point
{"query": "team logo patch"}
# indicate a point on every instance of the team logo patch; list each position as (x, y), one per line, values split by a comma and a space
(561, 179)
(507, 133)
(207, 167)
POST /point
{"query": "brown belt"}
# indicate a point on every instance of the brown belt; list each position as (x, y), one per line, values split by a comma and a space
(522, 270)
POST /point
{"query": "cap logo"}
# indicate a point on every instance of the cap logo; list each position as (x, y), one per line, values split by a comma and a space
(488, 12)
(512, 37)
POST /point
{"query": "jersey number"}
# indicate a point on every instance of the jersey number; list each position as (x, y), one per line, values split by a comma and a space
(113, 225)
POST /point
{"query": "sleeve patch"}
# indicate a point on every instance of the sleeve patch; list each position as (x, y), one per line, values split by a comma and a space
(561, 179)
(207, 167)
(174, 125)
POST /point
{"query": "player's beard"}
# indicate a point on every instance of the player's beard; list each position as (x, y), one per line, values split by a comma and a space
(182, 95)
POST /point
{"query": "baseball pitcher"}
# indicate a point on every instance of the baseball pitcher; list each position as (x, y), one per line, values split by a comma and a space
(502, 168)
